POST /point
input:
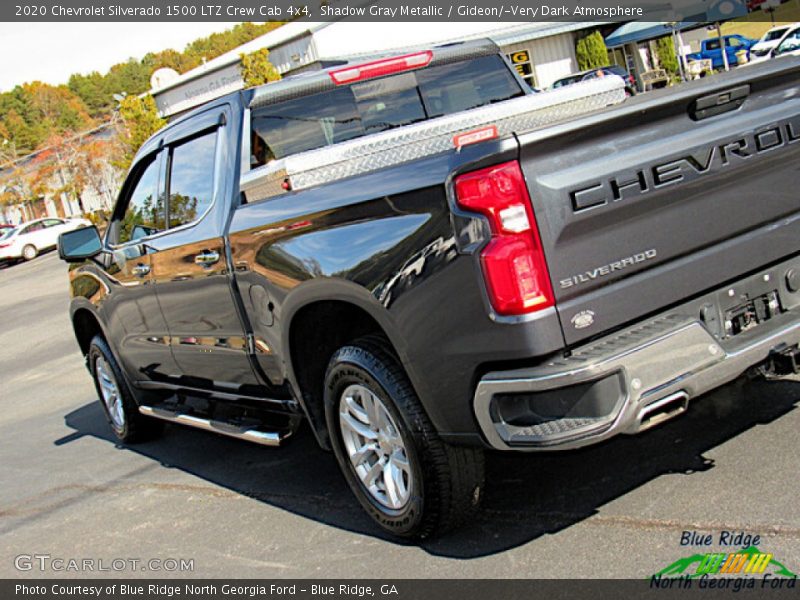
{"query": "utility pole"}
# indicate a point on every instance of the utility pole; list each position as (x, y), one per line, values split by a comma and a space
(723, 47)
(677, 43)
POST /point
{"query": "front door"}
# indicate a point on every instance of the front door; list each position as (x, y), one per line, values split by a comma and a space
(131, 308)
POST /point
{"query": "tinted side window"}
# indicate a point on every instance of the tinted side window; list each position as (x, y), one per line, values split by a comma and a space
(34, 227)
(53, 222)
(191, 182)
(144, 214)
(771, 36)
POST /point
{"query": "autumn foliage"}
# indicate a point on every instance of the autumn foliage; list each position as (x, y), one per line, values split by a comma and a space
(48, 141)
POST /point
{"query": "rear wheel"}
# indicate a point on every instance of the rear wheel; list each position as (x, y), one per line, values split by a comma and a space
(127, 423)
(29, 252)
(406, 478)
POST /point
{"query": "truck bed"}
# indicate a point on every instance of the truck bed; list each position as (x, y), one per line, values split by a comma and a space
(657, 200)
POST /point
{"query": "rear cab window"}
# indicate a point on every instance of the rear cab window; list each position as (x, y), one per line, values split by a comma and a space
(348, 112)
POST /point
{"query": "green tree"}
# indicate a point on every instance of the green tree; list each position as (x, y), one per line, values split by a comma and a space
(30, 113)
(665, 51)
(92, 89)
(257, 70)
(591, 51)
(33, 112)
(221, 42)
(141, 120)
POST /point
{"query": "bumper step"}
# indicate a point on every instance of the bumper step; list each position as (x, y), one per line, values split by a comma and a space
(659, 375)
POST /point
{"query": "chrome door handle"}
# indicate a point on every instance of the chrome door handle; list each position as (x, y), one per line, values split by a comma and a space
(141, 270)
(207, 258)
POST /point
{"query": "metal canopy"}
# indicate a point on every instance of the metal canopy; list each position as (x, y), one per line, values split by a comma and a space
(636, 31)
(678, 15)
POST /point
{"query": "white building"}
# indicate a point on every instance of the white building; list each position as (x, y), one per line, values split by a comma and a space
(542, 53)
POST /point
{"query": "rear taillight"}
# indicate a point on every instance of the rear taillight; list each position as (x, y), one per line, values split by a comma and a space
(513, 262)
(379, 68)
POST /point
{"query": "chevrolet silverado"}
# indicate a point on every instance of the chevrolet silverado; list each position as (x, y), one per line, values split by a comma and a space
(423, 260)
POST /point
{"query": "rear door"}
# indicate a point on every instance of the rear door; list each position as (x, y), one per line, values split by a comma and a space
(52, 229)
(713, 50)
(33, 235)
(660, 199)
(190, 267)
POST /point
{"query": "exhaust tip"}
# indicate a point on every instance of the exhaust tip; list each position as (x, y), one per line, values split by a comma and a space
(662, 410)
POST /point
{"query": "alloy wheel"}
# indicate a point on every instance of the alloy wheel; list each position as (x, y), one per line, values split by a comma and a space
(375, 447)
(109, 390)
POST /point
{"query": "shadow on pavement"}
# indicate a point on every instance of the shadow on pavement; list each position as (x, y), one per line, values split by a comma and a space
(527, 496)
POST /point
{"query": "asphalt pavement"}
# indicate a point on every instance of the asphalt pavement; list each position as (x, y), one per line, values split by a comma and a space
(231, 509)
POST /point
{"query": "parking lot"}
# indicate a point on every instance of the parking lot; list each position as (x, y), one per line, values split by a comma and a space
(239, 510)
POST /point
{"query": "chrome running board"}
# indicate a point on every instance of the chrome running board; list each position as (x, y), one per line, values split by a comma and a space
(265, 438)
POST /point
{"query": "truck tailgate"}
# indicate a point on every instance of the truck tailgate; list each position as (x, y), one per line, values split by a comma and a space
(649, 203)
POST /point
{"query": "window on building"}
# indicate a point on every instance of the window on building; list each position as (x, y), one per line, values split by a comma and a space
(521, 59)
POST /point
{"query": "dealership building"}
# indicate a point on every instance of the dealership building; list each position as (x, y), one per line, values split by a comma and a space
(541, 52)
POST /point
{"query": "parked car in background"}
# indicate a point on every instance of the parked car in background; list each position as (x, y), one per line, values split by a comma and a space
(711, 49)
(762, 50)
(27, 240)
(790, 44)
(630, 82)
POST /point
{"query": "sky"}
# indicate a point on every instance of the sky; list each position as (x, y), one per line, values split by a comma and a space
(51, 52)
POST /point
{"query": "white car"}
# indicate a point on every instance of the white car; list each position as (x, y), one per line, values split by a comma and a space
(27, 240)
(761, 50)
(787, 44)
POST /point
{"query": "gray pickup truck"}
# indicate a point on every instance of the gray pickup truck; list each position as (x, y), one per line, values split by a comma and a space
(423, 259)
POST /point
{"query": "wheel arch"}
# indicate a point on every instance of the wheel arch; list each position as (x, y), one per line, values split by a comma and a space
(86, 324)
(308, 348)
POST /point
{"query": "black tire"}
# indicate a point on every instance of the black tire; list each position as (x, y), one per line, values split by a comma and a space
(134, 426)
(450, 478)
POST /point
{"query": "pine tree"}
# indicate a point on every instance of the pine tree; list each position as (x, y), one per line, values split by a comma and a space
(141, 120)
(257, 70)
(665, 50)
(591, 52)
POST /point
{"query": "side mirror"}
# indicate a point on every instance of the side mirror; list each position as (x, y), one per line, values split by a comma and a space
(79, 244)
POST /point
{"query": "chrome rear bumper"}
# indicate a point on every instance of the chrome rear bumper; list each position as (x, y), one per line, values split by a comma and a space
(647, 374)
